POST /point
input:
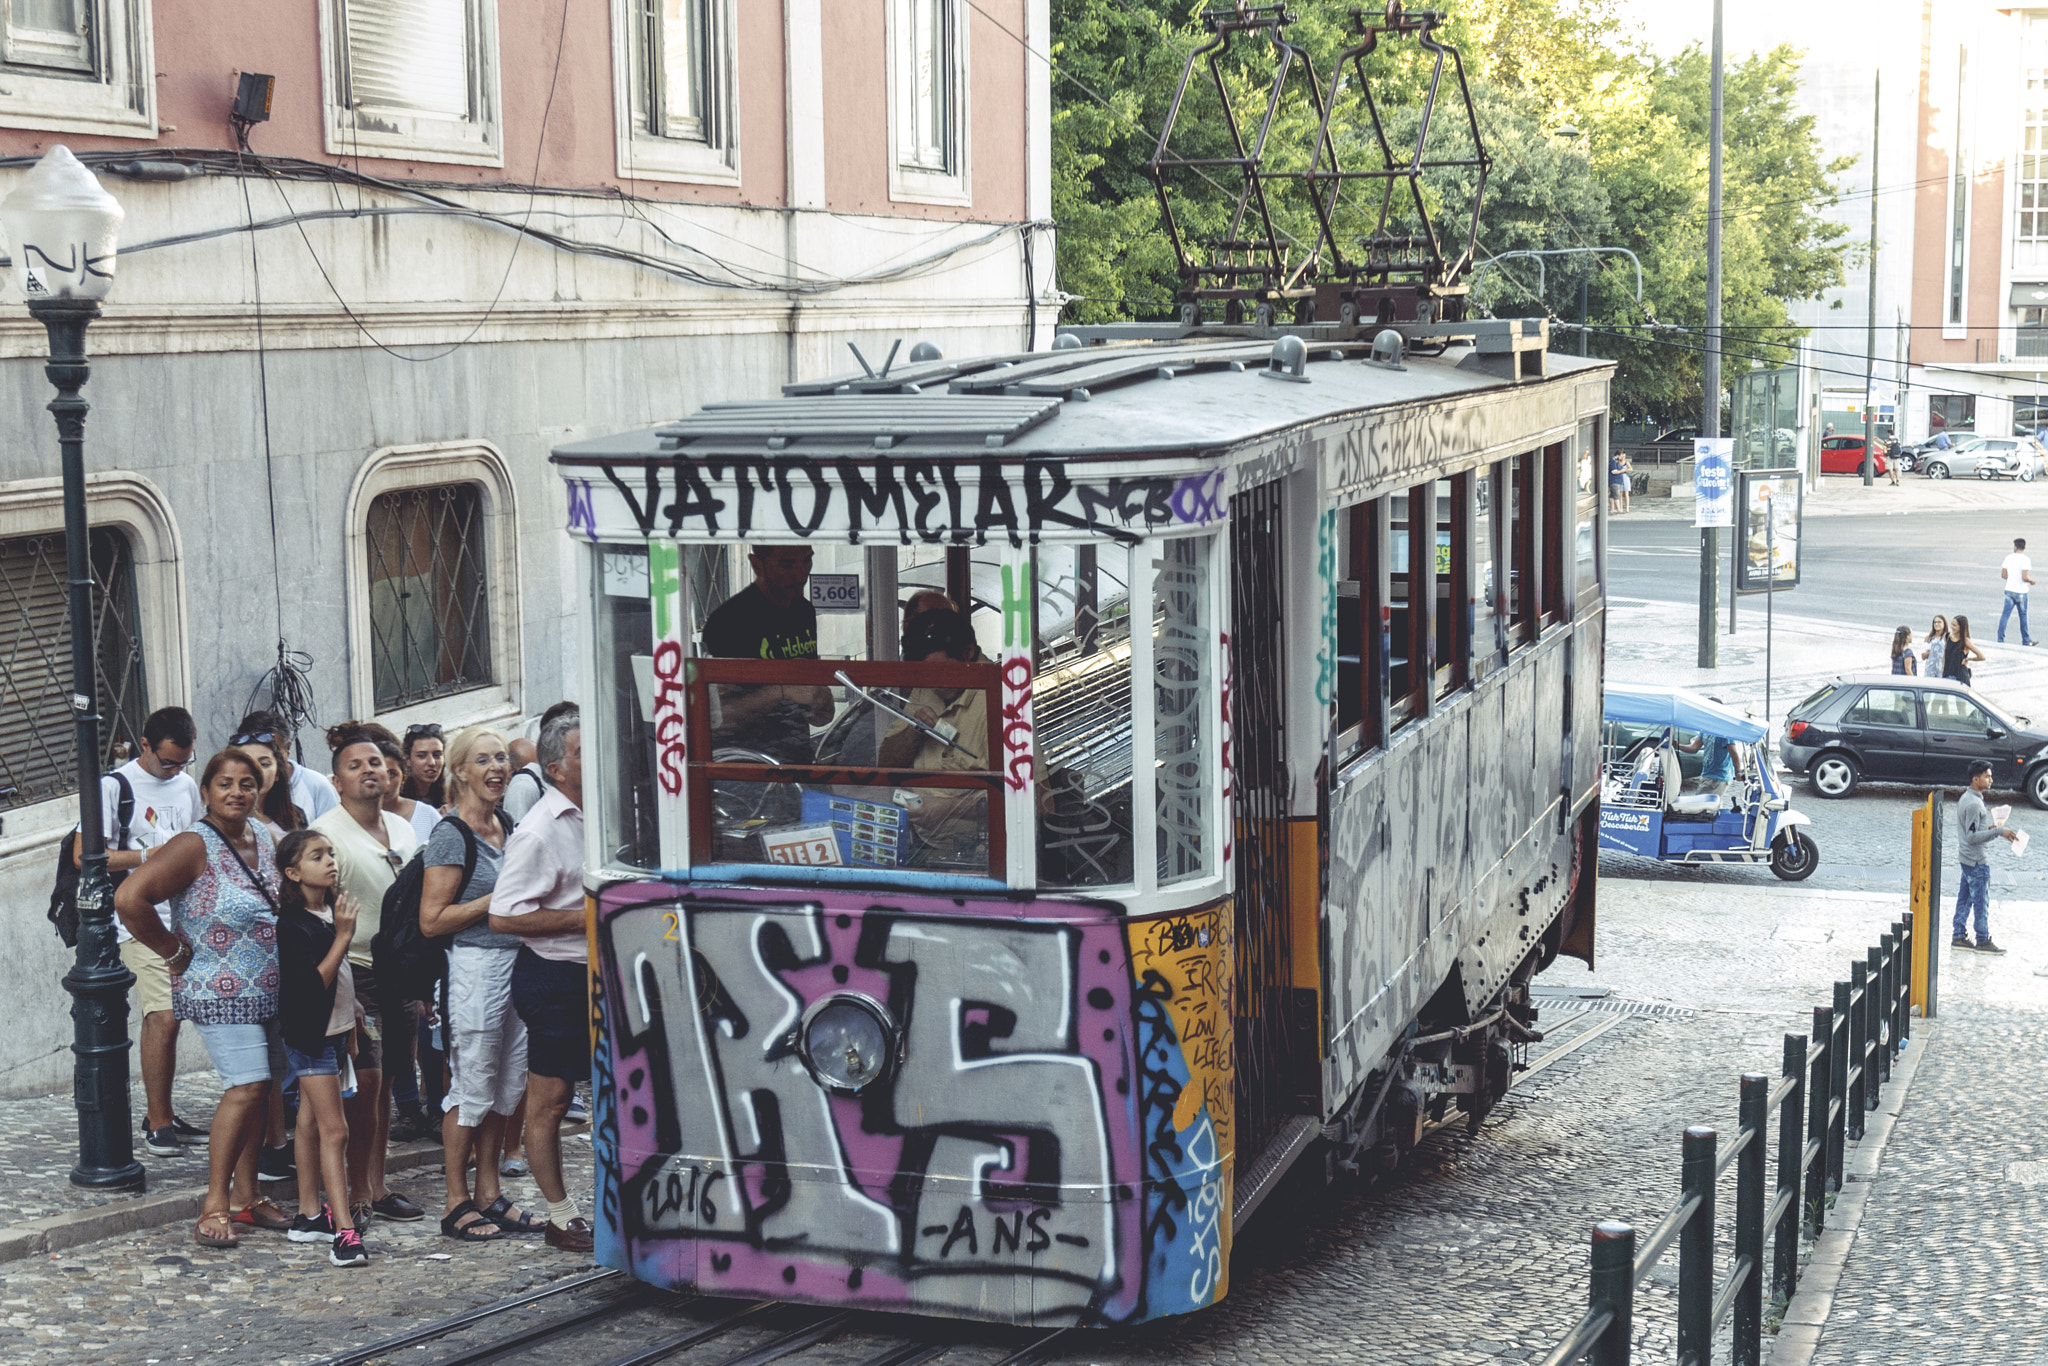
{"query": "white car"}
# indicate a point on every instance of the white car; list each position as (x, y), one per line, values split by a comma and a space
(1966, 456)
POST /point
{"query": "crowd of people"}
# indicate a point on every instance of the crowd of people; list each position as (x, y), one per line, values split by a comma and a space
(247, 904)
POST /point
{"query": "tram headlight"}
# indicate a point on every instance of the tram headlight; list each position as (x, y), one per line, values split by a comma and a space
(848, 1041)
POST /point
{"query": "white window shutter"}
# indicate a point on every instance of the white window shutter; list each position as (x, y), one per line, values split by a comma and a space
(410, 56)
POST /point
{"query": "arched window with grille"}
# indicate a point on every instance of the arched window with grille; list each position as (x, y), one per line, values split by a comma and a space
(38, 740)
(430, 626)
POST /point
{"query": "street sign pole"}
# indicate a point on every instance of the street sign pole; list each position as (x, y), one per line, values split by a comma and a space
(1710, 401)
(1870, 337)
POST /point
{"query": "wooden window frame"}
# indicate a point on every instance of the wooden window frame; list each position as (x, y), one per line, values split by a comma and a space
(1553, 537)
(1523, 534)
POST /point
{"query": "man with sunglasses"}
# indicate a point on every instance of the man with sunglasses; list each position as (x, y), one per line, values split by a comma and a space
(370, 846)
(167, 802)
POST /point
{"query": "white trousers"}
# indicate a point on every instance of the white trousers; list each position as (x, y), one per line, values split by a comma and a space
(487, 1053)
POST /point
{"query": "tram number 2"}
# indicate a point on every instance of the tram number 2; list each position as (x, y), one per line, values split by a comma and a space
(682, 1195)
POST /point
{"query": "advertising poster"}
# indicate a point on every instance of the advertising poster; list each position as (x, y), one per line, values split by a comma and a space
(1767, 530)
(1713, 469)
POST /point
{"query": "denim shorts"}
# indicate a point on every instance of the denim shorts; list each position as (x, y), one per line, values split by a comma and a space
(240, 1052)
(326, 1063)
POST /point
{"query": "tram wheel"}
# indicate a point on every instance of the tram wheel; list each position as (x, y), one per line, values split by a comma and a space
(1795, 856)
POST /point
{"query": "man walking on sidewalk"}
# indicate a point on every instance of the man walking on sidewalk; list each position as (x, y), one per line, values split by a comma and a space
(2018, 574)
(1975, 831)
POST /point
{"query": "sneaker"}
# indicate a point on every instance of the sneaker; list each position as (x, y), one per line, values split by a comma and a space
(348, 1249)
(514, 1166)
(1986, 946)
(1960, 943)
(163, 1142)
(188, 1133)
(275, 1164)
(304, 1230)
(579, 1113)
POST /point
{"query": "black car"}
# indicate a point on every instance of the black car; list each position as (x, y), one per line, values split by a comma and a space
(1890, 728)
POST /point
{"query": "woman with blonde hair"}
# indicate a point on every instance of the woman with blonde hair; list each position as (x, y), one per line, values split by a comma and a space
(485, 1037)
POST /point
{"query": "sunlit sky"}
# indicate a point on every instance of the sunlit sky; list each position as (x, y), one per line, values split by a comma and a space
(1746, 25)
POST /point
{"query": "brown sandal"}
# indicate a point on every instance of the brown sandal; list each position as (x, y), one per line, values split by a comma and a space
(265, 1213)
(224, 1238)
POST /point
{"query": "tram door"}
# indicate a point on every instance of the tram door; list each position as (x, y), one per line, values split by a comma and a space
(1269, 1036)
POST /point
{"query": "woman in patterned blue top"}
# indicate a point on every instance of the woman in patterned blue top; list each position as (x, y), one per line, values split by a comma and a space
(221, 881)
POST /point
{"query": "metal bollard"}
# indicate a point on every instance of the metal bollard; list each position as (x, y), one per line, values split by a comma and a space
(1838, 1086)
(1785, 1262)
(1817, 1085)
(1856, 1076)
(1902, 994)
(1614, 1287)
(1749, 1219)
(1880, 1036)
(1696, 1251)
(1905, 982)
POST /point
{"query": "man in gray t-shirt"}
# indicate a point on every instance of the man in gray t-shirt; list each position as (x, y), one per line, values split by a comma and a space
(1974, 832)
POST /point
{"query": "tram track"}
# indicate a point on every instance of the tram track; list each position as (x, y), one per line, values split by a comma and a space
(605, 1319)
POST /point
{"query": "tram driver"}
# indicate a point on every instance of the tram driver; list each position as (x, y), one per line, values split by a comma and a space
(771, 618)
(947, 818)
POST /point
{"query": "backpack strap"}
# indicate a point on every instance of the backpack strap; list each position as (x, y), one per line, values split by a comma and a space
(124, 809)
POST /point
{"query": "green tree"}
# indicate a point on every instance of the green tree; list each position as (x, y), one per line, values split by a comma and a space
(1634, 176)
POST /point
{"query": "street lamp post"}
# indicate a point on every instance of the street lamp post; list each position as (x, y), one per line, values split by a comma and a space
(61, 228)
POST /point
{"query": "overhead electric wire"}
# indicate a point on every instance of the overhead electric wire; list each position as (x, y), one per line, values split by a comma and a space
(1703, 350)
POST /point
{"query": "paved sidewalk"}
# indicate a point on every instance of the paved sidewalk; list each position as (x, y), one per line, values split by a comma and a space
(41, 1212)
(1950, 1264)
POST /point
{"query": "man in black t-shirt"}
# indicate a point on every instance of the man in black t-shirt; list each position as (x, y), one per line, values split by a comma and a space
(770, 619)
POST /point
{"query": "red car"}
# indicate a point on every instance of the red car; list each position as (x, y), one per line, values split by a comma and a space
(1844, 455)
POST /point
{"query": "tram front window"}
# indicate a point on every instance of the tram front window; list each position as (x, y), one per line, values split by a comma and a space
(1082, 713)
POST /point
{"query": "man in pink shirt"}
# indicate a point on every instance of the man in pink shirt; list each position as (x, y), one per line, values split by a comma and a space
(539, 897)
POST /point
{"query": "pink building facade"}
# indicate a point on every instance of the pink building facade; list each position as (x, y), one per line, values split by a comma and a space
(326, 383)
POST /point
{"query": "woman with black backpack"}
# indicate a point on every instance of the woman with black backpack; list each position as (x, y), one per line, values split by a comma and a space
(486, 1040)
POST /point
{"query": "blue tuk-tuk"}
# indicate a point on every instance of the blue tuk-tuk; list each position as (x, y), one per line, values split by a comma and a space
(1647, 806)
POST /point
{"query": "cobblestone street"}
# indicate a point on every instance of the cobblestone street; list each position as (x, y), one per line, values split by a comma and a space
(1474, 1253)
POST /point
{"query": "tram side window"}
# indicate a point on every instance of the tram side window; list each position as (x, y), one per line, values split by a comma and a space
(1082, 715)
(1360, 641)
(1586, 525)
(1487, 525)
(1554, 483)
(1410, 565)
(1452, 575)
(1522, 540)
(1183, 677)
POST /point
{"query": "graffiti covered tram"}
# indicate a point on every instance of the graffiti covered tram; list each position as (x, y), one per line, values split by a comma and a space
(1000, 969)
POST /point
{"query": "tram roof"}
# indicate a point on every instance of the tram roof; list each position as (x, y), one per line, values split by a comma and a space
(1101, 402)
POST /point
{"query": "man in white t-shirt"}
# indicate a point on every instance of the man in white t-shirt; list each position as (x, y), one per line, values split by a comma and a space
(371, 845)
(167, 803)
(2018, 574)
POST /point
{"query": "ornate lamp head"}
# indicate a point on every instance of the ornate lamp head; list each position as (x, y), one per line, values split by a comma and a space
(61, 227)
